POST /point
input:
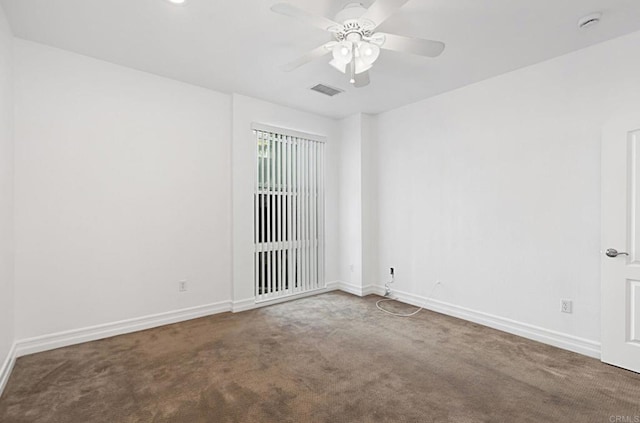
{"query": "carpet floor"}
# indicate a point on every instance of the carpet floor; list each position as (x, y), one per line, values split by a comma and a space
(329, 358)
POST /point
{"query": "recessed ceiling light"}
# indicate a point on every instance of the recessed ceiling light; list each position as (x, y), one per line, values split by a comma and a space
(589, 20)
(178, 2)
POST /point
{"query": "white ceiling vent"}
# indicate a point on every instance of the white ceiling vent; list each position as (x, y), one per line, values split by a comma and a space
(326, 90)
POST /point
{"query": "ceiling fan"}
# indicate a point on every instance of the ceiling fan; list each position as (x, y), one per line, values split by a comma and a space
(356, 44)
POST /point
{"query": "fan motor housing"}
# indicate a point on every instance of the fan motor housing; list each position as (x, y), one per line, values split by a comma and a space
(352, 31)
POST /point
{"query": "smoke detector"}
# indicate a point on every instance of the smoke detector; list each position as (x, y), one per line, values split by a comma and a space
(589, 20)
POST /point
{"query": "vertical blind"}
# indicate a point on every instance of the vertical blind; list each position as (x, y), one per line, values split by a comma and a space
(288, 213)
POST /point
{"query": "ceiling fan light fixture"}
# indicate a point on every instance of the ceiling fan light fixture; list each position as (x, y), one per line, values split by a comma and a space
(362, 55)
(368, 52)
(342, 67)
(362, 66)
(342, 52)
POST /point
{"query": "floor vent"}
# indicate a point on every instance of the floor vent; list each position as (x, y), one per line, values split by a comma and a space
(326, 90)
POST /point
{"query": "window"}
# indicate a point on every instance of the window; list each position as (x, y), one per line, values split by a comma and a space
(288, 213)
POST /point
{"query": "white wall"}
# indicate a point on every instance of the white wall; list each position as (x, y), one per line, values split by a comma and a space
(6, 193)
(357, 209)
(122, 188)
(494, 189)
(350, 204)
(369, 195)
(247, 110)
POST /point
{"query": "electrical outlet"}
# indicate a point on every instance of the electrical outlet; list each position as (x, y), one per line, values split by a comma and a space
(182, 286)
(351, 268)
(567, 306)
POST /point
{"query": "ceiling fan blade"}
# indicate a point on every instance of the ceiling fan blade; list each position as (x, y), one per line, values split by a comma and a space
(417, 46)
(314, 20)
(310, 56)
(381, 10)
(362, 80)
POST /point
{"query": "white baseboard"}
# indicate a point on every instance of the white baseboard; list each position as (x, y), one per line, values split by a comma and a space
(557, 339)
(360, 291)
(333, 285)
(243, 305)
(92, 333)
(350, 288)
(7, 367)
(372, 289)
(250, 303)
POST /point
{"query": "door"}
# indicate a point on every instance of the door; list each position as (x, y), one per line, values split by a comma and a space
(620, 277)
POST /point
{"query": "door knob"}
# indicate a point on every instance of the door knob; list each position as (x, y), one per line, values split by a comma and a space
(612, 252)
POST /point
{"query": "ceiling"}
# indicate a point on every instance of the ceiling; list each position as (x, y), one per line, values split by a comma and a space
(237, 45)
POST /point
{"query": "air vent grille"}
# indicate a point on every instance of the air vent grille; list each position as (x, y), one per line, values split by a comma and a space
(326, 90)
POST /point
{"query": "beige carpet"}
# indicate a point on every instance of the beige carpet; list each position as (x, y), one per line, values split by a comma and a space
(330, 358)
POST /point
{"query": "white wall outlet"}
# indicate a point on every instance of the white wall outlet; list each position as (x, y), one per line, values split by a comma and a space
(182, 286)
(567, 306)
(351, 268)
